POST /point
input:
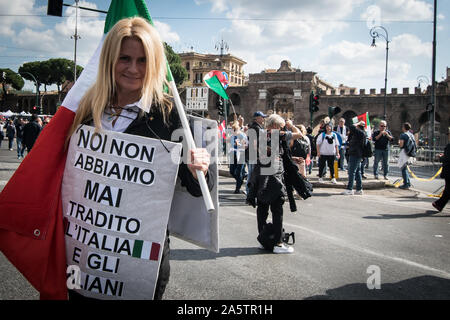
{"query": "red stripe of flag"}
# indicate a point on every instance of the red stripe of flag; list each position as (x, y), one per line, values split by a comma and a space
(154, 253)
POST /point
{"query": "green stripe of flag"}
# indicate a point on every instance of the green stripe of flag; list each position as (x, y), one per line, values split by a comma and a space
(137, 248)
(215, 85)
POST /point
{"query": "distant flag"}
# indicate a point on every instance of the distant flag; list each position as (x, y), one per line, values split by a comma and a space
(217, 81)
(364, 117)
(222, 129)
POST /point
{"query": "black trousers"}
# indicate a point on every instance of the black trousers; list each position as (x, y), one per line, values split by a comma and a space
(442, 201)
(262, 212)
(326, 160)
(161, 283)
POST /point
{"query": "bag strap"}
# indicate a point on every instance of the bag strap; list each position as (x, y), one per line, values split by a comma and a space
(286, 237)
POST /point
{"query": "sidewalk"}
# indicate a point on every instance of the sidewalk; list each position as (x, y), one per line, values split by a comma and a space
(8, 162)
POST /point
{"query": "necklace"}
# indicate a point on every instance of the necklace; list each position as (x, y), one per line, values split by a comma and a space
(116, 112)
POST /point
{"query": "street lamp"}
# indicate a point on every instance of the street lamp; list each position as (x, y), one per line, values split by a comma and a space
(37, 88)
(75, 37)
(423, 80)
(374, 33)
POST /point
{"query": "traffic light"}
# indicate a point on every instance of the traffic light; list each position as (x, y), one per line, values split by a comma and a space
(54, 8)
(313, 102)
(332, 111)
(219, 105)
(34, 108)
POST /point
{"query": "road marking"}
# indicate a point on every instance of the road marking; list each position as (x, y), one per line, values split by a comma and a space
(344, 243)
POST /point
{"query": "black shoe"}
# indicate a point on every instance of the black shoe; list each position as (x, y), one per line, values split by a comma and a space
(237, 191)
(437, 207)
(363, 176)
(404, 187)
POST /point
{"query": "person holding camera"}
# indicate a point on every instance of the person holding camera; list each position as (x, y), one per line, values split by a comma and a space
(267, 188)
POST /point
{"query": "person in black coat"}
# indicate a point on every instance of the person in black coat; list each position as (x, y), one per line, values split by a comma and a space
(445, 174)
(267, 188)
(31, 132)
(10, 133)
(356, 140)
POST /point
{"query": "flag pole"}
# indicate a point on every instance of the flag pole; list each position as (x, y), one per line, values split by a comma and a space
(191, 144)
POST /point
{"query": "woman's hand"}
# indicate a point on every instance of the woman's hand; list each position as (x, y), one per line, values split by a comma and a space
(199, 159)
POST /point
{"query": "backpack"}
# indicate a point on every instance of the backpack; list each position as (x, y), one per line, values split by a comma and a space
(411, 147)
(367, 149)
(300, 148)
(267, 237)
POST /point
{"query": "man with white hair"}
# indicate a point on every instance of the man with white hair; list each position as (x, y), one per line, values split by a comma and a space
(269, 190)
(382, 138)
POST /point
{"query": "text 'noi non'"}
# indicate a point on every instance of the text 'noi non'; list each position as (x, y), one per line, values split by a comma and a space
(100, 142)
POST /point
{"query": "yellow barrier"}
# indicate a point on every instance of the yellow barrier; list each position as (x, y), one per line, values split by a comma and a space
(421, 179)
(400, 181)
(336, 170)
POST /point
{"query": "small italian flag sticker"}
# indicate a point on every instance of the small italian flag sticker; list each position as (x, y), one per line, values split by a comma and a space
(146, 250)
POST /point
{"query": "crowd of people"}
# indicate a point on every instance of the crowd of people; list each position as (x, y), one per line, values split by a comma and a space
(349, 145)
(25, 131)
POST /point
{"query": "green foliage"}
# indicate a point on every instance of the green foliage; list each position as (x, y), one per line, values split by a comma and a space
(53, 71)
(9, 77)
(178, 71)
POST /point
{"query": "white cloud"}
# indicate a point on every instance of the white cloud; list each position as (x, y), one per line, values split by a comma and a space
(359, 65)
(409, 45)
(18, 13)
(402, 10)
(167, 35)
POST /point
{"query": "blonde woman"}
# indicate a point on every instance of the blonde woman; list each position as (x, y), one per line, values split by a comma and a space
(128, 97)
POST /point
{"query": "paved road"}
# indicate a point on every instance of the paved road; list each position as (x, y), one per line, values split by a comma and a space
(392, 235)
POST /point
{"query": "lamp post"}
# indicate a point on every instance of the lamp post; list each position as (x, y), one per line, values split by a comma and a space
(375, 33)
(423, 80)
(75, 37)
(37, 88)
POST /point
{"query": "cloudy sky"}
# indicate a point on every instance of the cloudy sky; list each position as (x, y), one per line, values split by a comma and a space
(329, 37)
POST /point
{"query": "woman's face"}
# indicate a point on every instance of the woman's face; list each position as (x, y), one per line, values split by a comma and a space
(130, 67)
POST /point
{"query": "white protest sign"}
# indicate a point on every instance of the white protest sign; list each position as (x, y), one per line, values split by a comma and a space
(189, 219)
(116, 194)
(197, 98)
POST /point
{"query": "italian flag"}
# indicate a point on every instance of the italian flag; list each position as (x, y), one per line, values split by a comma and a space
(222, 129)
(146, 250)
(364, 117)
(31, 220)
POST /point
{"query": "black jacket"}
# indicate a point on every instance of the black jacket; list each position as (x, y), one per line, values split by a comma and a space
(356, 141)
(445, 174)
(30, 133)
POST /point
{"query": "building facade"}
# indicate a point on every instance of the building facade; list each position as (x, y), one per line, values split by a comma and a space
(198, 65)
(286, 92)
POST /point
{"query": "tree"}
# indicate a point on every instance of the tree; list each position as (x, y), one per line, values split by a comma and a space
(62, 72)
(9, 77)
(32, 69)
(178, 71)
(53, 71)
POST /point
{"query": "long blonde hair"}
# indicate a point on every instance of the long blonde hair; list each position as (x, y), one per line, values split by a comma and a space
(101, 93)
